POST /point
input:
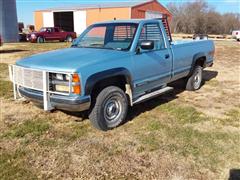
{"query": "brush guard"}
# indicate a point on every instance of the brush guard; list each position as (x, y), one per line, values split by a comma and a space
(36, 80)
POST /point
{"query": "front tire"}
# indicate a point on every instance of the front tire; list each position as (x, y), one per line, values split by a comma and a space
(194, 82)
(69, 39)
(40, 40)
(110, 109)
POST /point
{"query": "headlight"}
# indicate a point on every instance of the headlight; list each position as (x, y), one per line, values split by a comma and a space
(62, 77)
(59, 76)
(67, 77)
(61, 88)
(61, 82)
(33, 36)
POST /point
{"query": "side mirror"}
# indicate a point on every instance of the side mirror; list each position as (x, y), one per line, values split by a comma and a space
(147, 45)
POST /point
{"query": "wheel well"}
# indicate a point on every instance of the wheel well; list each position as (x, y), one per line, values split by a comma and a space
(40, 36)
(200, 61)
(119, 81)
(68, 35)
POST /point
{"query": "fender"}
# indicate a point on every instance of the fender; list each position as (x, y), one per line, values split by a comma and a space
(93, 79)
(195, 58)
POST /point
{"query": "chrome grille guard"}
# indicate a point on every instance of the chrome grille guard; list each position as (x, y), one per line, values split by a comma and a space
(36, 80)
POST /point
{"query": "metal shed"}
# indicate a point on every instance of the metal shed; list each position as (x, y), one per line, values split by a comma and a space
(8, 21)
(77, 18)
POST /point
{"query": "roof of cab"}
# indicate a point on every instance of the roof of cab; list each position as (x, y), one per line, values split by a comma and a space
(136, 21)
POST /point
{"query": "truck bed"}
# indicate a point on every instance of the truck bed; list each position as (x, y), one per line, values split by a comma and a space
(185, 51)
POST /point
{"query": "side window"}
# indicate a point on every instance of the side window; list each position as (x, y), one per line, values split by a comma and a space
(154, 33)
(49, 30)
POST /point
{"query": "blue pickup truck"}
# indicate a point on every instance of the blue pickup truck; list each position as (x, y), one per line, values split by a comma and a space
(109, 67)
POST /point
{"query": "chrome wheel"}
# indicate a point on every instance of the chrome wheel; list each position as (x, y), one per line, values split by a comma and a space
(197, 79)
(112, 109)
(40, 40)
(69, 39)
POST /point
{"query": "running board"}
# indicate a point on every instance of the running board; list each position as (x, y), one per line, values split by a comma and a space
(153, 94)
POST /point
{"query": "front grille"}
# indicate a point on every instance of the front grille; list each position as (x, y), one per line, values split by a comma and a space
(28, 78)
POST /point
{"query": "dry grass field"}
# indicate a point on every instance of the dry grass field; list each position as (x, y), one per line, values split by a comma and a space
(181, 135)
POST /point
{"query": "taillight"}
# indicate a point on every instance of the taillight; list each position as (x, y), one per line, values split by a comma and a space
(76, 84)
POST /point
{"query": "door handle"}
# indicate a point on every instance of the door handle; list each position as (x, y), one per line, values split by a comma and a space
(167, 56)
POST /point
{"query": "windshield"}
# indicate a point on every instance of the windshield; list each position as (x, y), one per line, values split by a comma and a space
(118, 36)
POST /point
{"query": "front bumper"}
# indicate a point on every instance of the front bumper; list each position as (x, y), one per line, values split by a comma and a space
(67, 103)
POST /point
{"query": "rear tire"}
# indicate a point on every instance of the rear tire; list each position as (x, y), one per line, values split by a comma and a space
(194, 82)
(110, 109)
(40, 40)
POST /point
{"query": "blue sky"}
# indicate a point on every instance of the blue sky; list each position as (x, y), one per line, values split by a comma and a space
(25, 8)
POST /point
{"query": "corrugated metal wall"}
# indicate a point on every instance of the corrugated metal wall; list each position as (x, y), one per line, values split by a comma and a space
(8, 20)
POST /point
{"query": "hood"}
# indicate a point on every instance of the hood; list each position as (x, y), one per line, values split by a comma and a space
(69, 59)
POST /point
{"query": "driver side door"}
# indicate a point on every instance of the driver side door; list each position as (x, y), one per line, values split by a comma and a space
(49, 34)
(152, 67)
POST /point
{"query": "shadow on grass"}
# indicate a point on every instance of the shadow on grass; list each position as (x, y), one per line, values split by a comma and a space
(208, 75)
(179, 87)
(234, 174)
(11, 51)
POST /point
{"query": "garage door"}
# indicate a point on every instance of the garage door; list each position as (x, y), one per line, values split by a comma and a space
(64, 20)
(153, 14)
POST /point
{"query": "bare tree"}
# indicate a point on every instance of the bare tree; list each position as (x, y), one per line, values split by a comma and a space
(199, 17)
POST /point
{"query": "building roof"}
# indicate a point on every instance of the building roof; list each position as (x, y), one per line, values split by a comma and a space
(136, 21)
(84, 6)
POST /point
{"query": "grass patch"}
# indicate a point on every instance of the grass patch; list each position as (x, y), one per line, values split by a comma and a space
(233, 118)
(48, 142)
(149, 142)
(14, 166)
(206, 148)
(3, 70)
(72, 132)
(6, 89)
(154, 126)
(234, 114)
(183, 114)
(34, 128)
(213, 83)
(171, 135)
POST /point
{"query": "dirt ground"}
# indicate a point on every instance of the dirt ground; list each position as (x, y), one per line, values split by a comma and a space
(181, 135)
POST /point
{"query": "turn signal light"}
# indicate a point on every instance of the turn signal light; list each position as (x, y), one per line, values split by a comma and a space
(77, 86)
